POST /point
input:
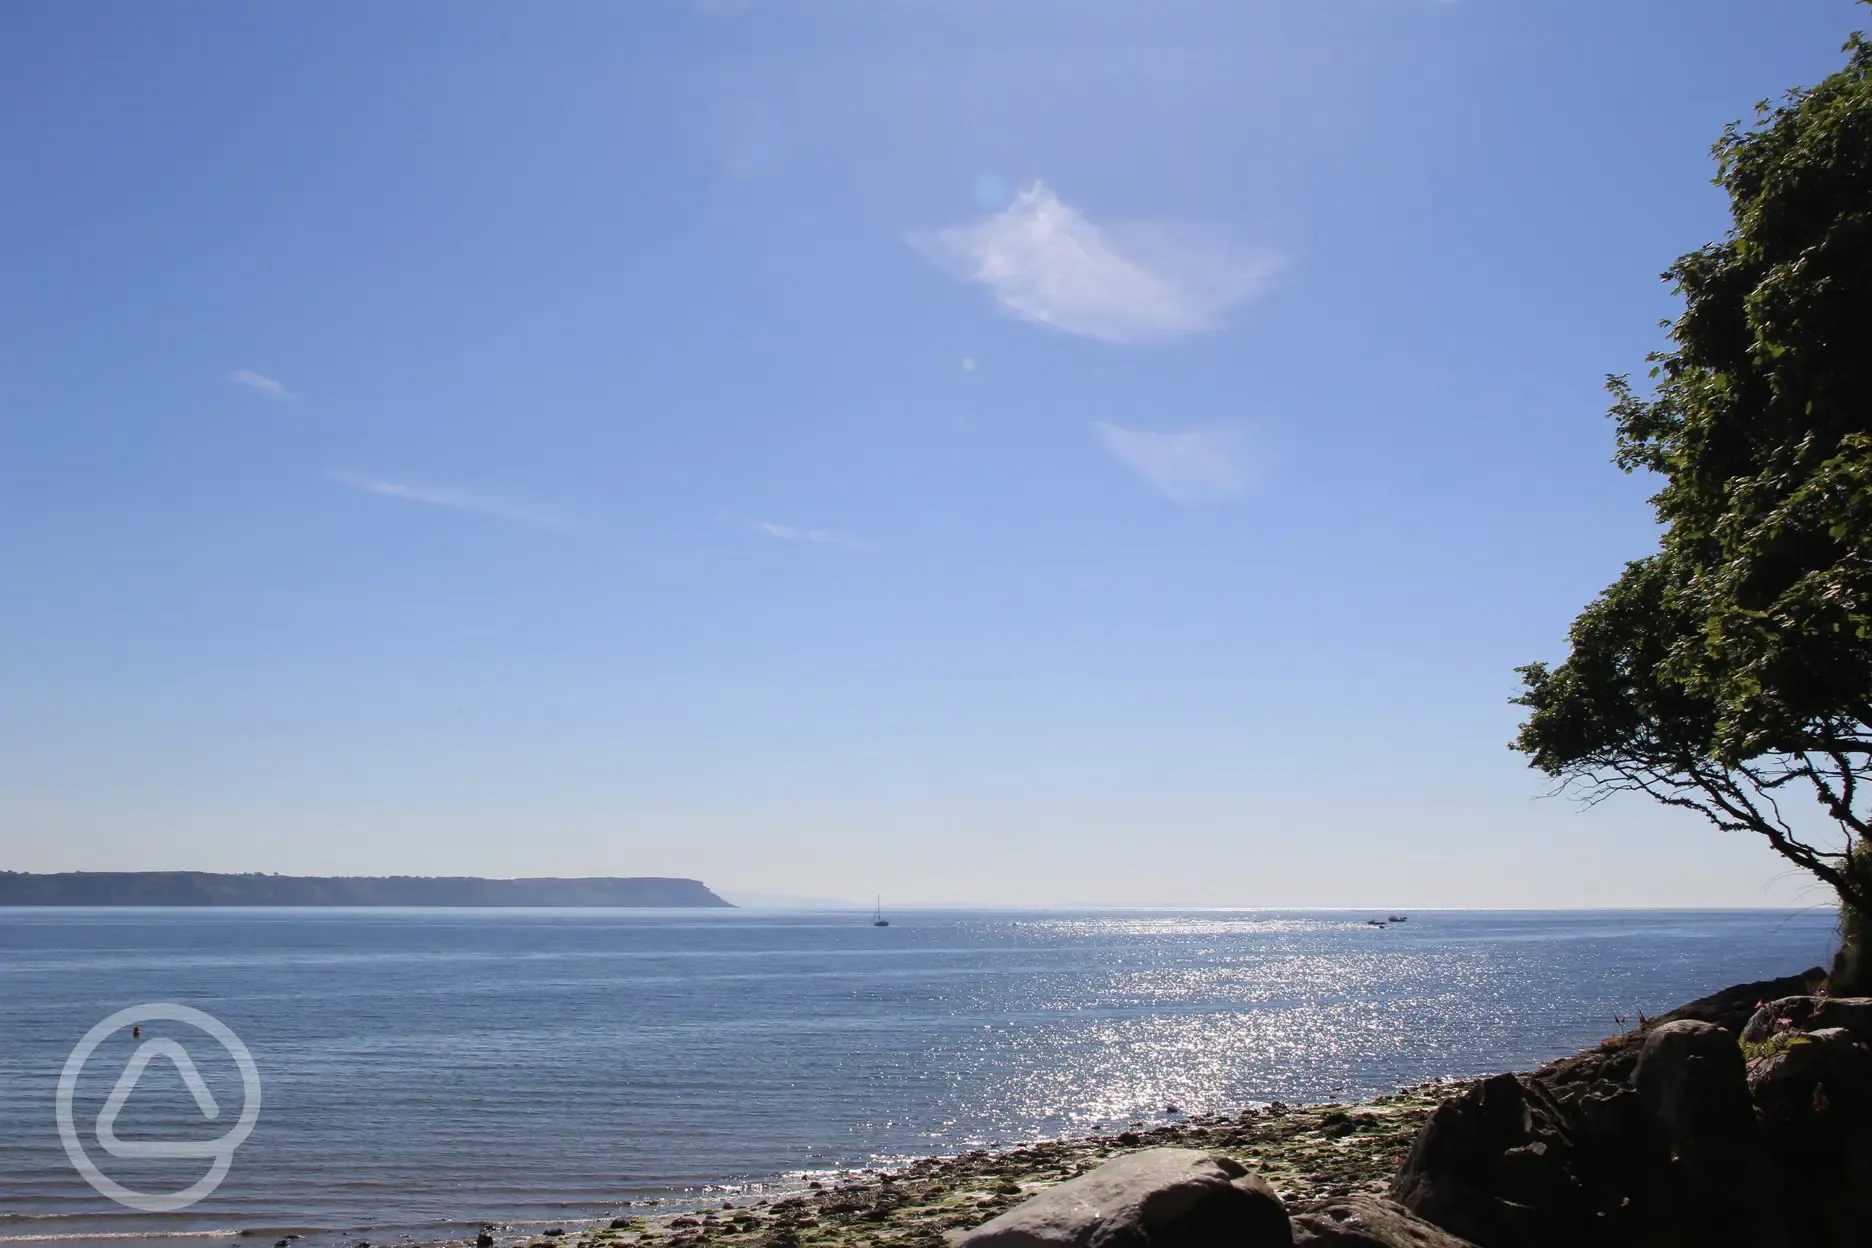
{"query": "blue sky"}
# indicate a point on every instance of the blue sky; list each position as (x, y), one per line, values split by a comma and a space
(1037, 452)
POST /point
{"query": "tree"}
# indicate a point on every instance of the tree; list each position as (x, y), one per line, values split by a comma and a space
(1730, 673)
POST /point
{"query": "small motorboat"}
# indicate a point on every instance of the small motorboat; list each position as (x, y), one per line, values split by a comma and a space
(1374, 922)
(1398, 918)
(877, 915)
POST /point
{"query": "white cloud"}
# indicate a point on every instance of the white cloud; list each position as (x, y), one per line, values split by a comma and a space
(264, 385)
(1046, 262)
(447, 496)
(824, 537)
(1193, 467)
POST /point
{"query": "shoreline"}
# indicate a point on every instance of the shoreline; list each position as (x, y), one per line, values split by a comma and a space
(576, 1172)
(1311, 1154)
(1314, 1157)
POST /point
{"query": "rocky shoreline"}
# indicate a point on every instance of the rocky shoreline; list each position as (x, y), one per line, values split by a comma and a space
(1745, 1116)
(1311, 1155)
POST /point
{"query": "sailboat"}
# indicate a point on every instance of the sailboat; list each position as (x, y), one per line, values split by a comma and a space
(877, 915)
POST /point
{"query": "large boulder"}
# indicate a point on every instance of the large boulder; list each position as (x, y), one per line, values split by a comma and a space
(1709, 1176)
(1805, 1013)
(1781, 1014)
(1692, 1083)
(1612, 1062)
(1852, 1013)
(1667, 1137)
(1814, 1098)
(1732, 1007)
(1642, 1143)
(1813, 1074)
(1503, 1165)
(1366, 1222)
(1158, 1198)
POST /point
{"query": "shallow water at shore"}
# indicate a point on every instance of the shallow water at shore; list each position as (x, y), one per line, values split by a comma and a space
(427, 1070)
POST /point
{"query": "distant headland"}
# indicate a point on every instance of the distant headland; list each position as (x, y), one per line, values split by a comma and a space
(202, 888)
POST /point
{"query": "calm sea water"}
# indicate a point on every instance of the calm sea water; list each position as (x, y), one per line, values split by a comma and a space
(428, 1069)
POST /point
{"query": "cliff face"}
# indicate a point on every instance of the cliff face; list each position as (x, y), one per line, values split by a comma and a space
(201, 888)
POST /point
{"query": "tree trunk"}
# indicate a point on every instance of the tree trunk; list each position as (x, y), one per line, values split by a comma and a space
(1852, 965)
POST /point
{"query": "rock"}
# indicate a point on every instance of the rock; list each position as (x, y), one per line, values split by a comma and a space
(1650, 1142)
(1733, 1007)
(1692, 1083)
(1665, 1137)
(1497, 1166)
(484, 1240)
(1814, 1098)
(1765, 1021)
(1797, 1013)
(1710, 1178)
(1366, 1222)
(1850, 1013)
(1832, 1059)
(1612, 1062)
(1158, 1198)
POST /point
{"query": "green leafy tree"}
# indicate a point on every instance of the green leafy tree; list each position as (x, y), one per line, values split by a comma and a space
(1730, 673)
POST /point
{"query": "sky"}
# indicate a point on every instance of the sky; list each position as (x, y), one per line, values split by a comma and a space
(1013, 452)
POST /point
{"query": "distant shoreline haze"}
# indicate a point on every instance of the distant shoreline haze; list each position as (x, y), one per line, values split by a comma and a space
(202, 888)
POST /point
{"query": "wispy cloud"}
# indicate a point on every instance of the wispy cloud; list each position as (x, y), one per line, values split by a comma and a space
(1044, 260)
(260, 384)
(824, 537)
(447, 496)
(1192, 467)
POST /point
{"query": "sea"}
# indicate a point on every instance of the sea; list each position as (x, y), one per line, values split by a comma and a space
(417, 1073)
